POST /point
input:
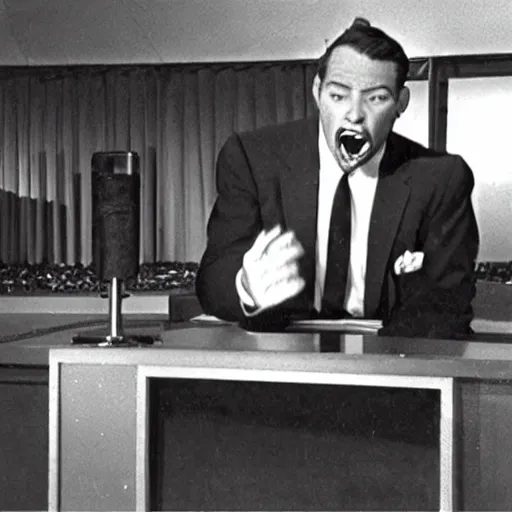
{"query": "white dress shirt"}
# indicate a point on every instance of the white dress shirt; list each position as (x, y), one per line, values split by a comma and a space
(362, 183)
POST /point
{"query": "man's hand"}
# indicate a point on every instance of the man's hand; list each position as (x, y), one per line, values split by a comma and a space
(270, 272)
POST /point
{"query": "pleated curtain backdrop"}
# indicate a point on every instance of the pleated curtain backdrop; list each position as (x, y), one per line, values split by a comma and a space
(175, 117)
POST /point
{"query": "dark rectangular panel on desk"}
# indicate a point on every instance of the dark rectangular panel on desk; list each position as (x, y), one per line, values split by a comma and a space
(228, 445)
(23, 439)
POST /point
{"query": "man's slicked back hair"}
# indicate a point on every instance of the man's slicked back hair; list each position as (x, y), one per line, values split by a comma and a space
(372, 42)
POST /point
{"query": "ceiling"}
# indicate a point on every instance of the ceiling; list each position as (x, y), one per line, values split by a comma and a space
(58, 32)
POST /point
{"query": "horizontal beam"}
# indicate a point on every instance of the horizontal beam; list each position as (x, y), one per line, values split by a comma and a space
(473, 66)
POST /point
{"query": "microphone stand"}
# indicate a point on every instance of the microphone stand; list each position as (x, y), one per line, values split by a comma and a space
(116, 336)
(115, 298)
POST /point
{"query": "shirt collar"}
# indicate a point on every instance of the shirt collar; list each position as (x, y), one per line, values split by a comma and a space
(328, 162)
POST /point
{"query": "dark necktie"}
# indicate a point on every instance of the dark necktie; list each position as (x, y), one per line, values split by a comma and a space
(338, 252)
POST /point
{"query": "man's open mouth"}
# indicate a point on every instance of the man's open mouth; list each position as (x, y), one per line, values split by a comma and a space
(353, 145)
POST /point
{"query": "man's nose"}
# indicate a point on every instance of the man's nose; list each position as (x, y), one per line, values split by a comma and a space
(355, 113)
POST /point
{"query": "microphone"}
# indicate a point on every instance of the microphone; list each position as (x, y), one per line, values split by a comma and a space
(116, 208)
(115, 236)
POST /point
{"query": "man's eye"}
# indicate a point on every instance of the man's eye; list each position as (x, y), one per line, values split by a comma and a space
(337, 97)
(379, 98)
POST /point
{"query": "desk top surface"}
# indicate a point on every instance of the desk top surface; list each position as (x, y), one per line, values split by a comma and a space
(487, 356)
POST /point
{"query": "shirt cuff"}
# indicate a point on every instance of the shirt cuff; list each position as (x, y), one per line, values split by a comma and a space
(246, 303)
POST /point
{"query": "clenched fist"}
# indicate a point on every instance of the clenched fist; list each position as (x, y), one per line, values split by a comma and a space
(270, 271)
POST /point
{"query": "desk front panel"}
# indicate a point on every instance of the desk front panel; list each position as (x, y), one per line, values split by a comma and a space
(483, 401)
(148, 438)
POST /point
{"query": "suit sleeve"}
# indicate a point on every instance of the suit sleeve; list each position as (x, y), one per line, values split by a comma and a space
(234, 223)
(436, 301)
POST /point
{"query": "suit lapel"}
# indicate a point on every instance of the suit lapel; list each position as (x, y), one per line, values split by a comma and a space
(299, 191)
(391, 197)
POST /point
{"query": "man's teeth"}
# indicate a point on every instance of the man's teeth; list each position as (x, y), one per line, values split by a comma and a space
(356, 135)
(353, 144)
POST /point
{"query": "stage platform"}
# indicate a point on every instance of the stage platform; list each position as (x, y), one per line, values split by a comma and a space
(491, 306)
(178, 304)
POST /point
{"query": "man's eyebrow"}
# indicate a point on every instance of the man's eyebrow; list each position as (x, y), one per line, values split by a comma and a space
(368, 89)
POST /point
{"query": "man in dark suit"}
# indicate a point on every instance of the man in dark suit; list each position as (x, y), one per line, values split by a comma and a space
(412, 236)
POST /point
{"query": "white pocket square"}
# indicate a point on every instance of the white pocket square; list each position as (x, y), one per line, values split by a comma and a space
(408, 262)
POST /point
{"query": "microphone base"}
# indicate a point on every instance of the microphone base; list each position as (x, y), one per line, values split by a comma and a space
(134, 340)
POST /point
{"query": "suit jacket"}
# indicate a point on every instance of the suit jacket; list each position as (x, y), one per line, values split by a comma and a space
(422, 203)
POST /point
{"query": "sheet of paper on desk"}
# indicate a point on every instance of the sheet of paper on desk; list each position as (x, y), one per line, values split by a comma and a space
(353, 325)
(209, 320)
(342, 325)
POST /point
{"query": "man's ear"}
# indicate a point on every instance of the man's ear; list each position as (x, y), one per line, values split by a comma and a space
(317, 85)
(403, 101)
